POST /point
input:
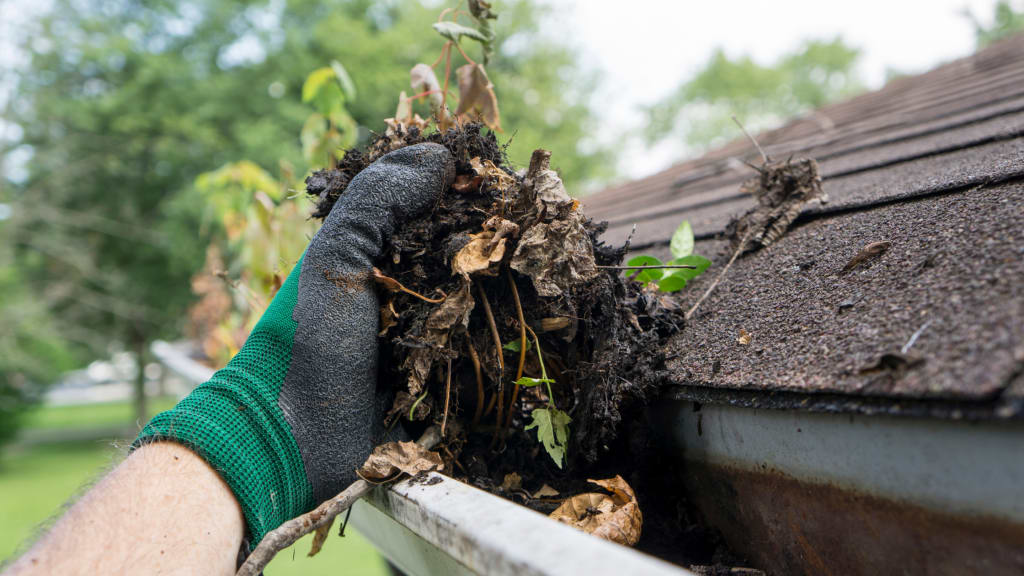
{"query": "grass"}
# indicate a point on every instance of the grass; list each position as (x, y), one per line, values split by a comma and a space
(36, 481)
(84, 416)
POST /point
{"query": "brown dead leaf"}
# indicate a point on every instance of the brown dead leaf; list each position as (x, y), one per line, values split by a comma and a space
(512, 482)
(744, 337)
(558, 256)
(320, 537)
(450, 314)
(616, 517)
(485, 250)
(423, 79)
(465, 183)
(493, 176)
(391, 458)
(869, 252)
(476, 96)
(545, 491)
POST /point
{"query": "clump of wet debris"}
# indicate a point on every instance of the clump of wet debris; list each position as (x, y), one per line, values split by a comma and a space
(505, 321)
(504, 276)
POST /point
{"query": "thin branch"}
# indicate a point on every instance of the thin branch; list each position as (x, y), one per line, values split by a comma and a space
(756, 145)
(291, 531)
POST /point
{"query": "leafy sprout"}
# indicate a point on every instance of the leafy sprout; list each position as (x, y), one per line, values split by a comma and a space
(552, 424)
(670, 279)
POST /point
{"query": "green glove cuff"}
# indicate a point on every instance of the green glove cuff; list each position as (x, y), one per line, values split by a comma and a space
(235, 423)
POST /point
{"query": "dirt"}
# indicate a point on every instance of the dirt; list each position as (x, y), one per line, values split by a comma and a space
(496, 235)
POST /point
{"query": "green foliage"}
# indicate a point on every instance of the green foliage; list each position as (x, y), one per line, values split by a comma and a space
(671, 279)
(552, 427)
(514, 346)
(331, 129)
(527, 382)
(701, 109)
(455, 31)
(1006, 21)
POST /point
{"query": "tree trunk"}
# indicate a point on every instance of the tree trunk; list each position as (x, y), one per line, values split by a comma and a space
(141, 415)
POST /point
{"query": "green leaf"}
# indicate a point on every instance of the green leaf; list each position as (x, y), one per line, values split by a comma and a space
(454, 31)
(316, 80)
(644, 276)
(514, 346)
(552, 431)
(673, 283)
(682, 240)
(344, 80)
(688, 274)
(527, 382)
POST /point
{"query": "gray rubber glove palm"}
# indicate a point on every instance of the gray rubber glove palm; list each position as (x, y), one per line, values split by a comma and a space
(291, 417)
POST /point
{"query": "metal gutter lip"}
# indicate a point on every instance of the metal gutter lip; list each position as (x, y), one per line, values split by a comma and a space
(438, 525)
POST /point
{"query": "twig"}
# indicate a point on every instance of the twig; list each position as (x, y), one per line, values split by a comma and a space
(396, 286)
(522, 350)
(914, 337)
(756, 145)
(739, 250)
(447, 397)
(479, 382)
(291, 531)
(651, 267)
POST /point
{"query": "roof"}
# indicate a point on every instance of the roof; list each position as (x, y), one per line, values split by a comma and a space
(932, 164)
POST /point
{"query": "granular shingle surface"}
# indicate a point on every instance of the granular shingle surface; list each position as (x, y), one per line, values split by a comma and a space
(933, 165)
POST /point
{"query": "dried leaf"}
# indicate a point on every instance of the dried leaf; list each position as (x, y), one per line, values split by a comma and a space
(545, 491)
(616, 517)
(495, 178)
(558, 256)
(513, 481)
(389, 459)
(553, 324)
(320, 537)
(485, 251)
(476, 95)
(465, 183)
(451, 313)
(423, 79)
(744, 337)
(869, 252)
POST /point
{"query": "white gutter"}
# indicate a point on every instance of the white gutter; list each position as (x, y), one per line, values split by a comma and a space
(438, 525)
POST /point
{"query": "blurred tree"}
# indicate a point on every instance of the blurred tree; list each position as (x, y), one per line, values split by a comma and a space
(32, 352)
(123, 103)
(700, 110)
(1006, 20)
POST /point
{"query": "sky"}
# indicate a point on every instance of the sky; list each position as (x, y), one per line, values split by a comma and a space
(643, 49)
(646, 48)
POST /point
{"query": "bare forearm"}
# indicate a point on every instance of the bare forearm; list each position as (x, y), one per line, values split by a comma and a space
(162, 511)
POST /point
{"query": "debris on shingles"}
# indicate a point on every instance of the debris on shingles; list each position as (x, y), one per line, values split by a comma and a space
(744, 338)
(781, 189)
(865, 255)
(893, 363)
(614, 517)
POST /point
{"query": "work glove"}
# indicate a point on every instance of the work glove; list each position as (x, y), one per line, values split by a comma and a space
(299, 408)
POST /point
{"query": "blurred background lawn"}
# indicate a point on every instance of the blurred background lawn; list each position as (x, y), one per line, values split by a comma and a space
(37, 478)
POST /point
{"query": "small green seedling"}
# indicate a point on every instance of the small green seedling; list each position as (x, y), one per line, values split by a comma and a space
(552, 424)
(670, 279)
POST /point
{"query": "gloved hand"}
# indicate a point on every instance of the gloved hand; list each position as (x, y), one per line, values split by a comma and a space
(298, 409)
